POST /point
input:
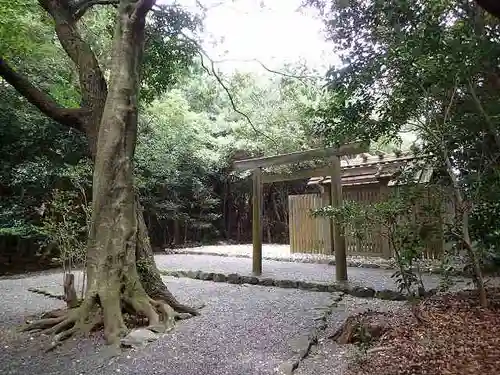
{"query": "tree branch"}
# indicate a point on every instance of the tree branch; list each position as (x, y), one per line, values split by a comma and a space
(300, 78)
(213, 72)
(142, 8)
(92, 82)
(81, 7)
(71, 117)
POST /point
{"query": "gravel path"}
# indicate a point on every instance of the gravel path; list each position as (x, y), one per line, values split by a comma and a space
(276, 252)
(376, 278)
(330, 358)
(242, 330)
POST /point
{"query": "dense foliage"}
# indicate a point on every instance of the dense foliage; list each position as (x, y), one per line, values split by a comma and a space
(189, 138)
(426, 66)
(192, 127)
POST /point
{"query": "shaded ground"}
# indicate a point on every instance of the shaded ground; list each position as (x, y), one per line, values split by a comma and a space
(458, 337)
(243, 330)
(329, 358)
(376, 278)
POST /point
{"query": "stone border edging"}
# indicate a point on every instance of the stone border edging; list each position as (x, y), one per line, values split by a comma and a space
(234, 278)
(330, 262)
(289, 366)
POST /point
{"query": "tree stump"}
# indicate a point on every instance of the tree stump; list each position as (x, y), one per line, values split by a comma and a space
(362, 328)
(69, 291)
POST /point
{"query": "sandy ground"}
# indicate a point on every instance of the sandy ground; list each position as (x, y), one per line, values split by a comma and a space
(242, 330)
(275, 252)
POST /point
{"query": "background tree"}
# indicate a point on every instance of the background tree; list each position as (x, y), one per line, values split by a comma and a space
(408, 64)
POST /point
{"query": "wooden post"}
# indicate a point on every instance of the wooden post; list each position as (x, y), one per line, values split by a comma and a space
(329, 238)
(337, 229)
(329, 233)
(384, 239)
(257, 222)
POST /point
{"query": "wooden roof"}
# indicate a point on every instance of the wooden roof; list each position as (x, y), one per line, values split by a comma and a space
(363, 169)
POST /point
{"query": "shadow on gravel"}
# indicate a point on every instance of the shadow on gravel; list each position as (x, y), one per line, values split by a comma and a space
(242, 330)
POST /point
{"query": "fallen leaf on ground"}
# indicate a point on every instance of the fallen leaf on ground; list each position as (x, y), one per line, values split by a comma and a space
(458, 337)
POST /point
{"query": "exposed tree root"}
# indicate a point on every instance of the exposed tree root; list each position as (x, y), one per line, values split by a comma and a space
(157, 315)
(144, 303)
(159, 292)
(362, 328)
(54, 313)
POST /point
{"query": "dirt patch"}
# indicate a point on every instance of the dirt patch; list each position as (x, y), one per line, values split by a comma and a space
(453, 335)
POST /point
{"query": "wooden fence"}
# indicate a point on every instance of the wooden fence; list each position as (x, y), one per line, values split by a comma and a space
(307, 234)
(311, 235)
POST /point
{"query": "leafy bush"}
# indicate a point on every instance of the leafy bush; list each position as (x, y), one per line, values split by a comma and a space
(66, 218)
(409, 220)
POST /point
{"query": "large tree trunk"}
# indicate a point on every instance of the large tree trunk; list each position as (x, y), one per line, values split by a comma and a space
(111, 255)
(149, 274)
(118, 237)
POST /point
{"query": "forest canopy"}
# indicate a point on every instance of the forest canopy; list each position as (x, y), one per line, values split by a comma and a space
(118, 132)
(191, 127)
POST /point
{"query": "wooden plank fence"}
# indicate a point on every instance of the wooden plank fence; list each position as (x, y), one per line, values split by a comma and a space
(311, 235)
(306, 232)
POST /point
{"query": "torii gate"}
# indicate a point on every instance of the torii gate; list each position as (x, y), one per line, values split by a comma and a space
(337, 242)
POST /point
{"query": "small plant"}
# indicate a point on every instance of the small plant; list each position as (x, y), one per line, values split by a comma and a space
(408, 221)
(363, 338)
(65, 223)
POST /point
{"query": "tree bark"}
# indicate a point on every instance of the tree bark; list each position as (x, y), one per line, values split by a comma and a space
(88, 117)
(121, 272)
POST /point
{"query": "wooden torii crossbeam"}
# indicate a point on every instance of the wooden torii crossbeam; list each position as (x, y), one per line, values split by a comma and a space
(336, 231)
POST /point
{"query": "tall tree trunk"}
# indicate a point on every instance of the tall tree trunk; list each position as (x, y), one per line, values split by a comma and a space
(177, 232)
(118, 237)
(465, 235)
(117, 112)
(111, 255)
(148, 272)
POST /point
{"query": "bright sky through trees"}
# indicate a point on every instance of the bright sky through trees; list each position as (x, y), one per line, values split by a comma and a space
(274, 32)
